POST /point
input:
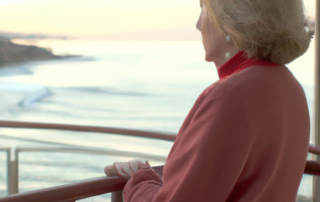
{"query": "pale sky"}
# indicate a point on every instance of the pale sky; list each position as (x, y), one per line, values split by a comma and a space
(130, 19)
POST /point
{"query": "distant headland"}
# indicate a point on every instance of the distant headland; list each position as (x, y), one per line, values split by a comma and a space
(28, 36)
(11, 53)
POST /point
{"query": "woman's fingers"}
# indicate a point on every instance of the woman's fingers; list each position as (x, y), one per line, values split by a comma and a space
(117, 167)
(124, 169)
(136, 165)
(110, 171)
(142, 164)
(133, 165)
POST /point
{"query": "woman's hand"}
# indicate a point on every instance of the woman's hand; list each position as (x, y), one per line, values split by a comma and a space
(124, 169)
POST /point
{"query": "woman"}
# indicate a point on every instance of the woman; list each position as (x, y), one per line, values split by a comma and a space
(246, 137)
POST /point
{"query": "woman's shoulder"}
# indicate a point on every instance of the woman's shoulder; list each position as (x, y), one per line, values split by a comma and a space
(255, 81)
(260, 75)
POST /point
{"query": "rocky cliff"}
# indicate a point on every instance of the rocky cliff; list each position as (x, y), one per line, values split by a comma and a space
(15, 53)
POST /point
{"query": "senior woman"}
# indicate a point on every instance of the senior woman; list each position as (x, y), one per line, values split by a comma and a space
(246, 137)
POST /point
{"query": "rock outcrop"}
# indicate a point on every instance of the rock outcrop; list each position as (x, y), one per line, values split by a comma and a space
(15, 53)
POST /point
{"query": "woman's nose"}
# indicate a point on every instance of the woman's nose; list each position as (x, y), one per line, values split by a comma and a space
(198, 25)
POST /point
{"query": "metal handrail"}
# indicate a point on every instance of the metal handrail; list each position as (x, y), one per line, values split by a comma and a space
(314, 150)
(89, 150)
(70, 192)
(73, 191)
(312, 168)
(109, 130)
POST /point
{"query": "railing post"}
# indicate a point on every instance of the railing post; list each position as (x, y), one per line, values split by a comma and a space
(117, 196)
(8, 170)
(13, 175)
(316, 130)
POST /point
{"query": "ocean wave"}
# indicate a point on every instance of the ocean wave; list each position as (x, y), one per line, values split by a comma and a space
(108, 91)
(35, 97)
(34, 93)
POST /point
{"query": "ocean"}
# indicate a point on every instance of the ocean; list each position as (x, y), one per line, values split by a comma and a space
(145, 85)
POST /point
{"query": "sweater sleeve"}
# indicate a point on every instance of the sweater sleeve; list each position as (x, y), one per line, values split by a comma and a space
(206, 159)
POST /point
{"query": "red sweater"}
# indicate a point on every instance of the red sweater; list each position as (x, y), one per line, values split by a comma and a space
(245, 139)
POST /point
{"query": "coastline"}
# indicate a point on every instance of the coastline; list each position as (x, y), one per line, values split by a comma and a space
(12, 54)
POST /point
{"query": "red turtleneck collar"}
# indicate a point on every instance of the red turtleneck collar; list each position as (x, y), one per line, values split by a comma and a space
(239, 62)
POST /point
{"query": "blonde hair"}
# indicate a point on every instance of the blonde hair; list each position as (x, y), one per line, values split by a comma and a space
(275, 30)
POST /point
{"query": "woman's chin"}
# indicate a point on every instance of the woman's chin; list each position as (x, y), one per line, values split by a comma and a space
(208, 58)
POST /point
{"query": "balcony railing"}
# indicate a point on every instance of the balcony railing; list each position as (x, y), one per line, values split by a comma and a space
(13, 161)
(75, 191)
(109, 130)
(91, 187)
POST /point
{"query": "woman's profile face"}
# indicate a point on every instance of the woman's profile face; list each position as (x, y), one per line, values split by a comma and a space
(217, 48)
